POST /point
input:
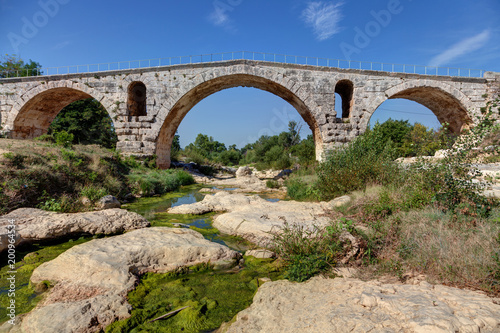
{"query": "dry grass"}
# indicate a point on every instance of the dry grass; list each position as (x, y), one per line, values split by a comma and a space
(449, 249)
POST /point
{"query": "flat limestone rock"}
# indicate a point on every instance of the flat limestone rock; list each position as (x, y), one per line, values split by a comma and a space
(92, 279)
(254, 218)
(33, 224)
(260, 254)
(350, 305)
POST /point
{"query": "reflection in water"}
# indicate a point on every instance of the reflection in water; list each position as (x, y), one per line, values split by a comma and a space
(154, 209)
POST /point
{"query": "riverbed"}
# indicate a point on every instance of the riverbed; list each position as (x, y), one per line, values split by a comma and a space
(212, 297)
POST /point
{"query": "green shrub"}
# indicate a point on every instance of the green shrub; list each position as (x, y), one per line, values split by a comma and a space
(93, 192)
(306, 251)
(366, 160)
(62, 204)
(299, 190)
(150, 182)
(270, 183)
(185, 178)
(194, 156)
(454, 179)
(64, 139)
(301, 268)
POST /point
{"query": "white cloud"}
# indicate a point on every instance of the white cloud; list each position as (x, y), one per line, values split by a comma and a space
(323, 17)
(219, 17)
(465, 46)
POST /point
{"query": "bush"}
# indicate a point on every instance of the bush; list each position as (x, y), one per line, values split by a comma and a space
(93, 192)
(147, 183)
(305, 251)
(299, 190)
(454, 179)
(270, 183)
(366, 160)
(64, 139)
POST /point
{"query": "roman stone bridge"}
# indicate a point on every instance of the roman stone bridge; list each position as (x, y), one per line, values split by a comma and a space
(147, 105)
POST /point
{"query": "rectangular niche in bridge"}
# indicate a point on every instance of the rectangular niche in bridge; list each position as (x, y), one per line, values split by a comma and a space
(136, 102)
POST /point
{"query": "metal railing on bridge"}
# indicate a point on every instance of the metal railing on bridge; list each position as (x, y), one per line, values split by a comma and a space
(246, 55)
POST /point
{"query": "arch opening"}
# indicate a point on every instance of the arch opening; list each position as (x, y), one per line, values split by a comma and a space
(36, 115)
(446, 107)
(198, 93)
(345, 90)
(88, 121)
(136, 100)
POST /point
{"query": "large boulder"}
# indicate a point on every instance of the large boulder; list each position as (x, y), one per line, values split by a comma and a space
(350, 305)
(33, 224)
(243, 171)
(92, 279)
(254, 218)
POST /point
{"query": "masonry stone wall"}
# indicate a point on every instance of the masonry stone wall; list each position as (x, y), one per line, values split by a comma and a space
(28, 105)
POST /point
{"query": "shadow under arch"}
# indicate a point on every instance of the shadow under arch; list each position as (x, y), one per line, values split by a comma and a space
(36, 115)
(207, 88)
(446, 107)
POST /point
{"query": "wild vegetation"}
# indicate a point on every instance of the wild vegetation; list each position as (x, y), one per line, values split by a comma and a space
(87, 121)
(58, 176)
(429, 217)
(268, 152)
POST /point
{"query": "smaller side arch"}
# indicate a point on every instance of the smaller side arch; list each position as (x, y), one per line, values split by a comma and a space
(449, 104)
(36, 108)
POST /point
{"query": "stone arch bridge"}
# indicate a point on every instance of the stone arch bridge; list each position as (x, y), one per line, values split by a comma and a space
(148, 104)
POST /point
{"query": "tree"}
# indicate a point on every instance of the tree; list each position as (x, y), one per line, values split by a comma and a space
(88, 121)
(176, 147)
(206, 145)
(12, 66)
(294, 132)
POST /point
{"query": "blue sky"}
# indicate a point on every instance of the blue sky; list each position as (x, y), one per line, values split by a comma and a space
(455, 33)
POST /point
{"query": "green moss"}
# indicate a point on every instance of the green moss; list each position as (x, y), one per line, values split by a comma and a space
(27, 260)
(212, 297)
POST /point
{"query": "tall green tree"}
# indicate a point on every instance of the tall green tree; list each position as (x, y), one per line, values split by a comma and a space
(206, 145)
(12, 66)
(88, 121)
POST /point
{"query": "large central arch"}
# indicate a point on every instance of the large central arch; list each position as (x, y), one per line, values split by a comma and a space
(207, 88)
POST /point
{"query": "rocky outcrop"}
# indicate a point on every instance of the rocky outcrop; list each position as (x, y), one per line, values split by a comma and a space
(350, 305)
(254, 218)
(33, 224)
(243, 171)
(92, 279)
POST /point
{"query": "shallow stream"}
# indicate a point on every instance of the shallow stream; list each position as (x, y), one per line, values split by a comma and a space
(213, 297)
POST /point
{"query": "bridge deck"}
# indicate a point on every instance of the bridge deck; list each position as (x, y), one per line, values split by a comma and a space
(252, 56)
